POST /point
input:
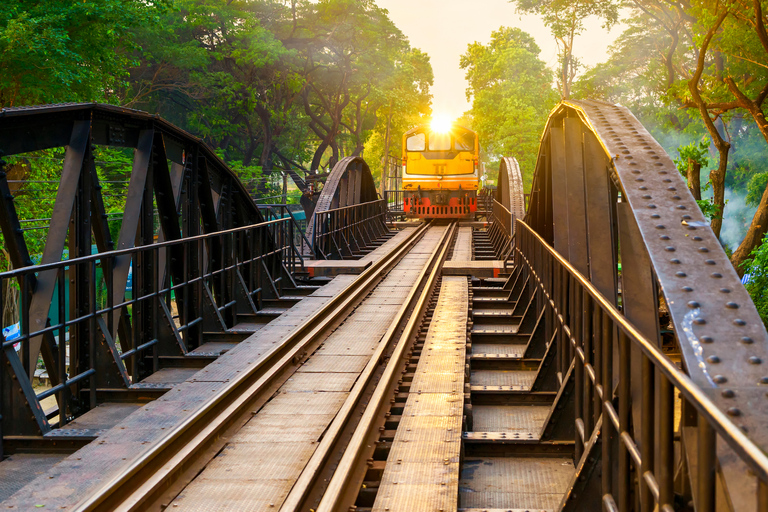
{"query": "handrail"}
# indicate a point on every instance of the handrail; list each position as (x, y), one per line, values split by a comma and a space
(500, 231)
(122, 252)
(246, 259)
(347, 230)
(352, 206)
(136, 485)
(546, 266)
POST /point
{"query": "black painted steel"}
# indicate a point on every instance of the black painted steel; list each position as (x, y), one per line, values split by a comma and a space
(350, 183)
(348, 232)
(508, 204)
(638, 457)
(195, 245)
(609, 202)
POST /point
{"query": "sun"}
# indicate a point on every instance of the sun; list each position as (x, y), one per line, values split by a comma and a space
(441, 123)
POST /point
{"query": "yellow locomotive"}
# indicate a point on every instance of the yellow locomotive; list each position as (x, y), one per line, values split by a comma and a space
(440, 172)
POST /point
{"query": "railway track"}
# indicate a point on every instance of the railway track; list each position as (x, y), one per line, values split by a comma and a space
(460, 370)
(389, 397)
(169, 467)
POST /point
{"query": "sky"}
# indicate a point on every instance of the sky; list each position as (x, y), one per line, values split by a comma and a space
(444, 28)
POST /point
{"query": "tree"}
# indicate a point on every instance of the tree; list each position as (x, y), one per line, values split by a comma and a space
(406, 103)
(53, 51)
(511, 93)
(352, 51)
(565, 18)
(708, 58)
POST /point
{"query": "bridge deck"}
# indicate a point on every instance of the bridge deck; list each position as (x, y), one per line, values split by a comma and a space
(117, 447)
(261, 463)
(462, 248)
(336, 267)
(422, 471)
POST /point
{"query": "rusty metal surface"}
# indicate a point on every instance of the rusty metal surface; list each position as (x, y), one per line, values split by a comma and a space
(528, 483)
(19, 469)
(383, 248)
(349, 182)
(462, 247)
(80, 473)
(337, 284)
(491, 378)
(496, 351)
(481, 268)
(508, 418)
(303, 409)
(310, 382)
(422, 471)
(170, 376)
(712, 312)
(510, 191)
(494, 328)
(104, 416)
(334, 364)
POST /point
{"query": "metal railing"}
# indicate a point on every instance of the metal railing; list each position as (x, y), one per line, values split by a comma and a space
(283, 211)
(394, 200)
(178, 289)
(485, 201)
(597, 347)
(345, 232)
(500, 230)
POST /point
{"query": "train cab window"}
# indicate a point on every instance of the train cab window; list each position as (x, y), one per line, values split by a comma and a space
(416, 142)
(439, 141)
(465, 141)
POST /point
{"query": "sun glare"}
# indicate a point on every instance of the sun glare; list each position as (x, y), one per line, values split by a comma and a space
(441, 123)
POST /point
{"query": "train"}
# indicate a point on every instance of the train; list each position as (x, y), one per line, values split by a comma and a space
(440, 172)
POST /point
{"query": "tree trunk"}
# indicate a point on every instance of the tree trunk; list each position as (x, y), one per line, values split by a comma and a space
(318, 156)
(717, 178)
(694, 178)
(754, 235)
(385, 157)
(334, 156)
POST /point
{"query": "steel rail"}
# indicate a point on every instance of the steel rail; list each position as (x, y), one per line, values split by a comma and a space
(147, 479)
(413, 306)
(340, 491)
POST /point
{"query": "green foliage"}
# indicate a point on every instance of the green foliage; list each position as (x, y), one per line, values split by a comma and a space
(511, 93)
(258, 78)
(756, 188)
(756, 266)
(565, 18)
(60, 50)
(692, 152)
(709, 209)
(41, 171)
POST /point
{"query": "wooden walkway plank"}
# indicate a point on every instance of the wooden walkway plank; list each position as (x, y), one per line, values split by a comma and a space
(422, 470)
(462, 249)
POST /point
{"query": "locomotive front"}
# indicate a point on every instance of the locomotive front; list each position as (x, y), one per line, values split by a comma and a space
(440, 172)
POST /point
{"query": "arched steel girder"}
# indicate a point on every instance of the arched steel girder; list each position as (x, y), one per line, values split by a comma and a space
(178, 189)
(509, 188)
(602, 183)
(350, 182)
(606, 192)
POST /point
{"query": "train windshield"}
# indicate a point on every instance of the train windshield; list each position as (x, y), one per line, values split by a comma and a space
(416, 142)
(439, 141)
(465, 141)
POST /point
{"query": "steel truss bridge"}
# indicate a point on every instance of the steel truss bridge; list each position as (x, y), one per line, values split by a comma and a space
(590, 348)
